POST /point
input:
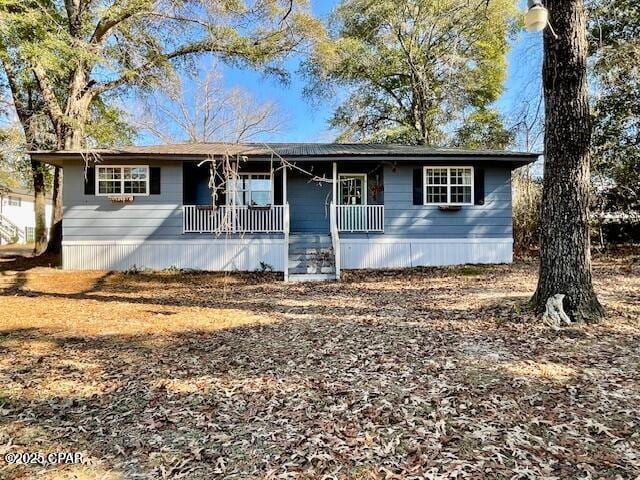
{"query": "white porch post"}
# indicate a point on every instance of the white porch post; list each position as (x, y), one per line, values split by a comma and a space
(335, 183)
(284, 185)
(234, 185)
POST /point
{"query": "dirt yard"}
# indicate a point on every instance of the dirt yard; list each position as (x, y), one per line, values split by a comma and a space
(10, 252)
(440, 373)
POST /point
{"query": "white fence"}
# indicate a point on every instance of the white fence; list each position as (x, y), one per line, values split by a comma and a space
(237, 219)
(360, 218)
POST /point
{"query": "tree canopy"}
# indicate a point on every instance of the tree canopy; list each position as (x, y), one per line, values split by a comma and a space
(65, 58)
(417, 70)
(615, 48)
(79, 50)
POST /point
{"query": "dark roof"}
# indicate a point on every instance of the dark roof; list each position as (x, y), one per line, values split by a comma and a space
(297, 150)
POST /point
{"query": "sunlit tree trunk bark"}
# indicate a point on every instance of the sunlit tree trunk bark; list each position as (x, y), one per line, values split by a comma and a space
(70, 137)
(565, 257)
(55, 236)
(39, 205)
(24, 105)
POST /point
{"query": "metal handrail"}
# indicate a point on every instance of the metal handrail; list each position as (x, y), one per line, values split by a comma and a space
(335, 238)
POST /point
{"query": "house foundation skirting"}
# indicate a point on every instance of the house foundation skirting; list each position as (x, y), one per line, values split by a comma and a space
(213, 255)
(415, 252)
(253, 254)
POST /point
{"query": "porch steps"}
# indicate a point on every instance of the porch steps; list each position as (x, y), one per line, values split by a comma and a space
(311, 258)
(311, 277)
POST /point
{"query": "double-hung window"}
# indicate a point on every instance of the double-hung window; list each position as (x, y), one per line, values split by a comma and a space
(14, 201)
(122, 180)
(255, 189)
(448, 185)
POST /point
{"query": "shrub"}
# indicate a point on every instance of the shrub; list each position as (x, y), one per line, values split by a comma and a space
(527, 203)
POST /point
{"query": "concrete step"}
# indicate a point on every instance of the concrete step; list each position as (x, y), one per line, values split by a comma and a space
(311, 239)
(323, 262)
(312, 269)
(295, 250)
(318, 277)
(302, 256)
(311, 252)
(311, 244)
(312, 258)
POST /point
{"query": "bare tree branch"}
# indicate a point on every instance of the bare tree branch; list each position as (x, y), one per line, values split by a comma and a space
(207, 112)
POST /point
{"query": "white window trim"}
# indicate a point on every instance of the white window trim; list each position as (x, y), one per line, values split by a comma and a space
(231, 191)
(122, 180)
(351, 175)
(448, 168)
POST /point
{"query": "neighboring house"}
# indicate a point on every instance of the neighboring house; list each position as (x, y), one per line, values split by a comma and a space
(17, 216)
(379, 206)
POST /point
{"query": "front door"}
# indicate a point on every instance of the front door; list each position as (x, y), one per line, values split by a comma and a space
(353, 189)
(352, 201)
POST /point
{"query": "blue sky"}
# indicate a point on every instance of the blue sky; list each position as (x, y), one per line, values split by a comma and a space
(308, 122)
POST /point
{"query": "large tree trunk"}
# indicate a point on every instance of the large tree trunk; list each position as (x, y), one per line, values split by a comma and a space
(70, 137)
(39, 192)
(55, 237)
(565, 257)
(24, 104)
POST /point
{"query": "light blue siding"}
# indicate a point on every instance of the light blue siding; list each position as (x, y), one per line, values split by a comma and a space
(91, 217)
(403, 218)
(309, 202)
(159, 217)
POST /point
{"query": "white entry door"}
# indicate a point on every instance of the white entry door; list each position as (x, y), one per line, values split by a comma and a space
(352, 201)
(353, 189)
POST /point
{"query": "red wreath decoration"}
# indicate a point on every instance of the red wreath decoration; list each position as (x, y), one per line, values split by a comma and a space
(376, 190)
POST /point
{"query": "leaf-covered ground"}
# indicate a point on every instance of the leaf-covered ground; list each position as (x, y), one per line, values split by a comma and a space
(438, 373)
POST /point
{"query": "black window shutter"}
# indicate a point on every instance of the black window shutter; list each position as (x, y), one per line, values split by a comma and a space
(418, 184)
(478, 185)
(90, 181)
(277, 188)
(154, 183)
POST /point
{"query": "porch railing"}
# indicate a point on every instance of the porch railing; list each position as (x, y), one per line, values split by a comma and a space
(360, 218)
(10, 232)
(232, 219)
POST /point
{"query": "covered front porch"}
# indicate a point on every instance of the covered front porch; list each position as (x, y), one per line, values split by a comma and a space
(300, 198)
